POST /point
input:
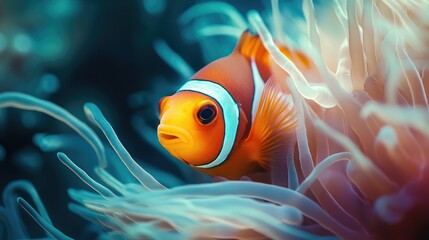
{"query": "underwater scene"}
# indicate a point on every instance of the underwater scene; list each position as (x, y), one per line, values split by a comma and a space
(197, 119)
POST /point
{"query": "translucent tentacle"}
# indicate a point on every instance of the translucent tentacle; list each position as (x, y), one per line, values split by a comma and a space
(173, 59)
(46, 225)
(27, 102)
(9, 198)
(368, 36)
(219, 30)
(270, 193)
(417, 117)
(95, 115)
(111, 181)
(370, 173)
(319, 94)
(358, 70)
(204, 9)
(321, 167)
(84, 176)
(291, 169)
(277, 21)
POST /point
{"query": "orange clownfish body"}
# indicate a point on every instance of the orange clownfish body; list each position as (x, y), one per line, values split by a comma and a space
(231, 119)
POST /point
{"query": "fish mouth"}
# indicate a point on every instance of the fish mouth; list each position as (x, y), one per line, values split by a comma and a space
(173, 135)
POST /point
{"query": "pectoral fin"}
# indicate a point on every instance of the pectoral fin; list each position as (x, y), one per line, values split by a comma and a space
(273, 131)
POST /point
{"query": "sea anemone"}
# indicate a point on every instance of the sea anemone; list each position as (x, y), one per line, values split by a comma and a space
(358, 170)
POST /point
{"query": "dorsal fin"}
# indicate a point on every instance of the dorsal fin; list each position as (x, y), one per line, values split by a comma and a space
(273, 131)
(251, 46)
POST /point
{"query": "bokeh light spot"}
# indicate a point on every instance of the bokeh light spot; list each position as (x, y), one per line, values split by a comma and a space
(61, 8)
(22, 43)
(29, 160)
(49, 83)
(154, 7)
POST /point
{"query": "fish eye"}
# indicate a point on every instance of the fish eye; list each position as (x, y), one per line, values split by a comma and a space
(207, 114)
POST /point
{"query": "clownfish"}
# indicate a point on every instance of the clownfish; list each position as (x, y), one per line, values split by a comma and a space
(232, 118)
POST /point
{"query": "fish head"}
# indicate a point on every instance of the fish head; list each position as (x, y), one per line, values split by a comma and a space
(191, 127)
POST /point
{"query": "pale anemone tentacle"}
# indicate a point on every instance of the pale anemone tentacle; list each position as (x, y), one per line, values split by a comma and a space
(292, 175)
(305, 157)
(27, 102)
(84, 176)
(359, 10)
(269, 194)
(170, 213)
(219, 30)
(173, 214)
(333, 177)
(417, 117)
(89, 215)
(264, 192)
(173, 59)
(204, 9)
(319, 94)
(321, 141)
(324, 195)
(312, 27)
(389, 146)
(11, 213)
(322, 166)
(333, 118)
(339, 12)
(412, 76)
(411, 142)
(230, 24)
(81, 195)
(277, 22)
(347, 103)
(381, 183)
(394, 74)
(403, 79)
(266, 215)
(96, 117)
(112, 181)
(285, 213)
(368, 36)
(392, 208)
(336, 88)
(316, 49)
(406, 23)
(358, 71)
(46, 225)
(343, 68)
(268, 228)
